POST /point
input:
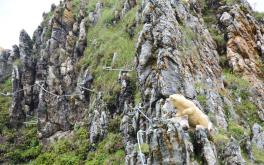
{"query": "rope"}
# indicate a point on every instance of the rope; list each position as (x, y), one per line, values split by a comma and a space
(53, 94)
(47, 90)
(139, 146)
(138, 133)
(9, 94)
(90, 90)
(6, 94)
(31, 122)
(138, 109)
(111, 69)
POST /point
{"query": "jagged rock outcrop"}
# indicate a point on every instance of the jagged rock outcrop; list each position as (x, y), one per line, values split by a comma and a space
(258, 136)
(16, 112)
(245, 48)
(232, 153)
(23, 78)
(5, 64)
(125, 98)
(95, 15)
(245, 42)
(64, 104)
(99, 120)
(45, 79)
(169, 144)
(27, 70)
(204, 147)
(129, 4)
(165, 66)
(175, 54)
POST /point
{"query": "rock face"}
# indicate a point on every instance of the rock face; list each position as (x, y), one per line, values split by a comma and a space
(17, 113)
(245, 50)
(94, 16)
(205, 147)
(232, 153)
(5, 65)
(166, 67)
(175, 54)
(258, 136)
(245, 42)
(49, 87)
(62, 102)
(23, 78)
(128, 5)
(27, 70)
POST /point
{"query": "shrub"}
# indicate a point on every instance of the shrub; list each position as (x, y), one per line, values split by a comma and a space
(114, 124)
(236, 131)
(69, 151)
(47, 158)
(109, 151)
(258, 155)
(220, 140)
(144, 148)
(67, 159)
(259, 15)
(202, 100)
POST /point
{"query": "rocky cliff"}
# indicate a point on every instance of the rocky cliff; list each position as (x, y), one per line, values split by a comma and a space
(92, 84)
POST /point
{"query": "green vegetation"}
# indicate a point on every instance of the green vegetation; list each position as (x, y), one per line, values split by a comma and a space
(258, 155)
(237, 131)
(220, 140)
(114, 124)
(109, 151)
(259, 15)
(20, 145)
(76, 7)
(70, 151)
(144, 148)
(5, 103)
(202, 100)
(210, 19)
(106, 39)
(188, 36)
(239, 89)
(230, 2)
(235, 79)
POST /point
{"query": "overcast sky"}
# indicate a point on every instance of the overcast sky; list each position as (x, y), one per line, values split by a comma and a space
(16, 15)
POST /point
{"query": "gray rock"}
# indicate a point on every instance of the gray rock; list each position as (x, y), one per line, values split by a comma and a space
(204, 147)
(5, 65)
(27, 70)
(258, 136)
(226, 19)
(164, 44)
(99, 121)
(244, 49)
(16, 112)
(128, 5)
(232, 153)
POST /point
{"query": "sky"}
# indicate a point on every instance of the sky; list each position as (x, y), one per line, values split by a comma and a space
(16, 15)
(257, 5)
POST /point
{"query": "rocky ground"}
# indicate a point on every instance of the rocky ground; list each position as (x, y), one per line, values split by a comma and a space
(91, 85)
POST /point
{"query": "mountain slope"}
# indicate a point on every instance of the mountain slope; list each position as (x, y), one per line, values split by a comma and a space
(91, 86)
